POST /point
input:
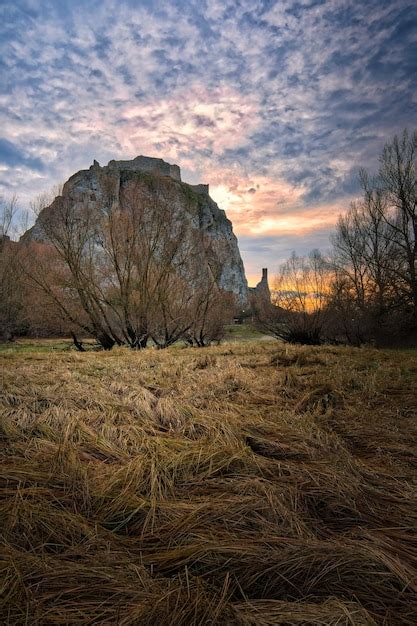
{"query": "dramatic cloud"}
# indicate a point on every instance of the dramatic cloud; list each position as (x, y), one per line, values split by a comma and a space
(191, 123)
(275, 104)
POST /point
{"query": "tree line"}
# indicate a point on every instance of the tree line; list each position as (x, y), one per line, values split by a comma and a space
(365, 289)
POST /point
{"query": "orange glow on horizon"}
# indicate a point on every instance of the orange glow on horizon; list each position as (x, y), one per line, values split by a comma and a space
(269, 206)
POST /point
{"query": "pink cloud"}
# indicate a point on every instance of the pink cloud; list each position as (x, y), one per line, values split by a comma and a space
(259, 205)
(195, 120)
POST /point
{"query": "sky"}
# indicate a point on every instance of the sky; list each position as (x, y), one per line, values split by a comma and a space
(275, 104)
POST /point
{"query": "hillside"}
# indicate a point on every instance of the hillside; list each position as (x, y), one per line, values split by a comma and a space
(207, 235)
(249, 484)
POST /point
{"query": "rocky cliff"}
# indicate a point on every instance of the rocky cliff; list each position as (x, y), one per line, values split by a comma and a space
(206, 222)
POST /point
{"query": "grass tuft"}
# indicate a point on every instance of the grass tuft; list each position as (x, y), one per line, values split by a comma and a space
(252, 485)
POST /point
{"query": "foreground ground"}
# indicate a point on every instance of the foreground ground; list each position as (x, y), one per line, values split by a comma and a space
(248, 484)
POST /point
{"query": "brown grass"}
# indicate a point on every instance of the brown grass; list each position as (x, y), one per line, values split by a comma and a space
(248, 484)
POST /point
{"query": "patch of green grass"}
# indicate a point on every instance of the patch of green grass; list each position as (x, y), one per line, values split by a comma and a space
(243, 332)
(233, 332)
(36, 345)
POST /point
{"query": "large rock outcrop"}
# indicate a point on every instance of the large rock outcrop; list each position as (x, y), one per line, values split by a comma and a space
(204, 217)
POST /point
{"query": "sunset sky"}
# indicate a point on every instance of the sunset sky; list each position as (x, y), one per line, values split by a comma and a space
(275, 104)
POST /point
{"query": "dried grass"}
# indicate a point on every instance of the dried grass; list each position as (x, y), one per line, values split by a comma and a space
(252, 485)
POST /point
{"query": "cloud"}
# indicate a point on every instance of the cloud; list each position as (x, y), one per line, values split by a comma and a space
(276, 104)
(12, 156)
(189, 123)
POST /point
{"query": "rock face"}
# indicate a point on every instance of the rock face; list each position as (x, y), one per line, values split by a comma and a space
(221, 257)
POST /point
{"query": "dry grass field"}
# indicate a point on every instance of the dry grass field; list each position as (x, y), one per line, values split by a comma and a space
(252, 484)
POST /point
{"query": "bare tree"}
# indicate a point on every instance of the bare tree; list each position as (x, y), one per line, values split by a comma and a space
(298, 311)
(211, 310)
(71, 232)
(8, 214)
(11, 296)
(144, 241)
(173, 311)
(375, 248)
(397, 180)
(121, 259)
(365, 252)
